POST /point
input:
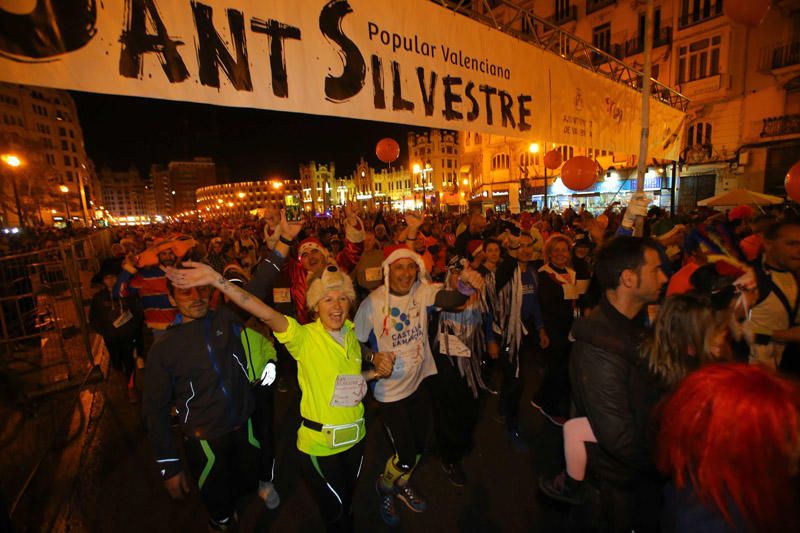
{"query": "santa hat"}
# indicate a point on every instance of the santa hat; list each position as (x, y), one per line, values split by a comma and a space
(474, 248)
(311, 243)
(332, 279)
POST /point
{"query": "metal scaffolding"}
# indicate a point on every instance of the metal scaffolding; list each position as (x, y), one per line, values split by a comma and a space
(549, 36)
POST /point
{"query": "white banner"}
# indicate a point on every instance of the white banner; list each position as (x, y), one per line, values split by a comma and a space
(410, 62)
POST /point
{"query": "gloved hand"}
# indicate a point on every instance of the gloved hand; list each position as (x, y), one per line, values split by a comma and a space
(637, 206)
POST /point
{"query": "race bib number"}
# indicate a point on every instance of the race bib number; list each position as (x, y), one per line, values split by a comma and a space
(123, 319)
(281, 295)
(452, 345)
(373, 274)
(349, 390)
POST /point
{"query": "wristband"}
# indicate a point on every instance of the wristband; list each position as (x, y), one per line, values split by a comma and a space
(285, 241)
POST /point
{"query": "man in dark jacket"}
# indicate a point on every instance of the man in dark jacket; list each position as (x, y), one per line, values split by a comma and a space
(199, 366)
(610, 387)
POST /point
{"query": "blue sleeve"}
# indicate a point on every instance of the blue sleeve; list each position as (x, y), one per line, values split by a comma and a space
(622, 230)
(123, 284)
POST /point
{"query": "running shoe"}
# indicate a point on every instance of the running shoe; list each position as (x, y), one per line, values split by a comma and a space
(413, 501)
(388, 509)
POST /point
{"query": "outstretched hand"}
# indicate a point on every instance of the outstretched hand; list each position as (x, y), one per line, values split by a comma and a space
(192, 274)
(273, 217)
(414, 220)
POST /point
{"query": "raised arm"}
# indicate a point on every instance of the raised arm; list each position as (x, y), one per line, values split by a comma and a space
(198, 274)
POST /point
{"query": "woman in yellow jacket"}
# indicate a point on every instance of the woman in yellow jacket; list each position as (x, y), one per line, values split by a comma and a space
(329, 367)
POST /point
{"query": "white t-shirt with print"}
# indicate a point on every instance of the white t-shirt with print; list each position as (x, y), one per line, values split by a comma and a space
(405, 332)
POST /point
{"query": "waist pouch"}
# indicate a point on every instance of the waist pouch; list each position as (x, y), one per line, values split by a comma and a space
(339, 435)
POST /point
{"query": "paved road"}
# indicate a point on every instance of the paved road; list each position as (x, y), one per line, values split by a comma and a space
(106, 480)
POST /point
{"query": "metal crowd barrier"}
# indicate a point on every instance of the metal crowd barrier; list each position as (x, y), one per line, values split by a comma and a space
(44, 296)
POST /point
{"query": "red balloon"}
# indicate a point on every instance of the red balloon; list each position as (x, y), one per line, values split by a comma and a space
(792, 182)
(579, 173)
(552, 159)
(387, 150)
(748, 12)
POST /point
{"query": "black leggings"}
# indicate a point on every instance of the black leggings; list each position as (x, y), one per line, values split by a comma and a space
(407, 422)
(120, 352)
(224, 468)
(332, 480)
(263, 416)
(455, 409)
(511, 392)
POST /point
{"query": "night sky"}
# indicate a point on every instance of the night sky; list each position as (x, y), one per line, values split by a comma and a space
(122, 131)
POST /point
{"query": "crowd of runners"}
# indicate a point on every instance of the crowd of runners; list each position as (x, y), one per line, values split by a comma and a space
(669, 360)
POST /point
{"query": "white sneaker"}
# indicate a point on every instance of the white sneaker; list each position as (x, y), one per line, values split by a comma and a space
(267, 492)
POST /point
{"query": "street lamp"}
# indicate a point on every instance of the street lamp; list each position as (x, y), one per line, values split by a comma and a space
(13, 162)
(64, 189)
(417, 169)
(533, 148)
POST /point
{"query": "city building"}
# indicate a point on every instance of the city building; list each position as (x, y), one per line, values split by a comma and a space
(159, 192)
(125, 197)
(245, 197)
(317, 182)
(397, 187)
(743, 120)
(40, 127)
(185, 177)
(434, 162)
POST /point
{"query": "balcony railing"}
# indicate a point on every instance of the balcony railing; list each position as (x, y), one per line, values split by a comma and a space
(707, 11)
(570, 14)
(635, 45)
(785, 55)
(783, 125)
(596, 5)
(548, 36)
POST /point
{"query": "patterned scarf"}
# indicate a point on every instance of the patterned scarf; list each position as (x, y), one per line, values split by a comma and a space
(506, 309)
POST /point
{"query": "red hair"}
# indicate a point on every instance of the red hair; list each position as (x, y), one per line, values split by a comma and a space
(731, 430)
